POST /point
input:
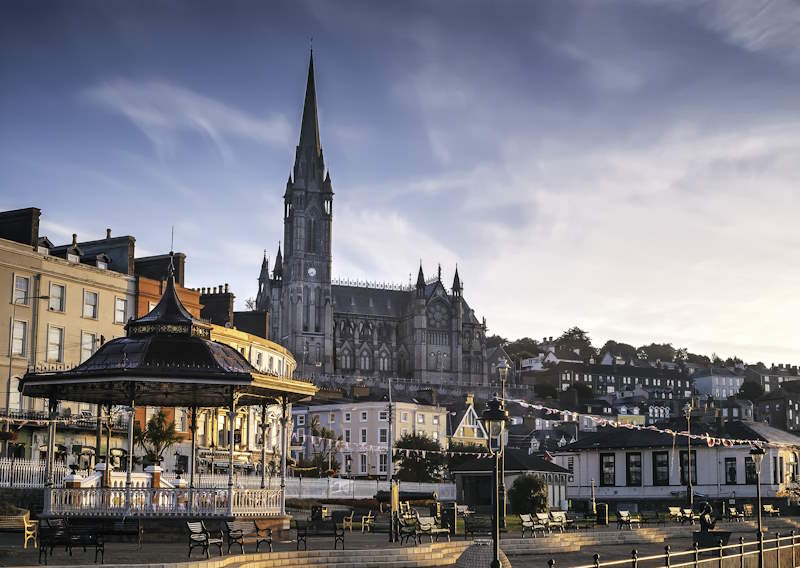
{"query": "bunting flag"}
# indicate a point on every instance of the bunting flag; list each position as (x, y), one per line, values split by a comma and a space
(711, 441)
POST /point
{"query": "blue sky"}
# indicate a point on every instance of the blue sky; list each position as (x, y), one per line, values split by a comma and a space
(629, 167)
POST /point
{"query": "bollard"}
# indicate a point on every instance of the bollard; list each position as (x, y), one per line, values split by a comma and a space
(777, 550)
(741, 552)
(634, 558)
(596, 558)
(794, 561)
(696, 553)
(666, 556)
(721, 553)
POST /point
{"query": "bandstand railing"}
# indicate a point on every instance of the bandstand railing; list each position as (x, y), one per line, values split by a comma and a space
(163, 502)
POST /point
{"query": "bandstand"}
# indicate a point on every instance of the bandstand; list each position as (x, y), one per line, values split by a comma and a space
(166, 358)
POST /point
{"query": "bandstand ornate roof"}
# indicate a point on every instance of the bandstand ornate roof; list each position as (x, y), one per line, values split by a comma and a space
(167, 358)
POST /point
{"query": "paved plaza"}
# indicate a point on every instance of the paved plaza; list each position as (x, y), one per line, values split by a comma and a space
(540, 550)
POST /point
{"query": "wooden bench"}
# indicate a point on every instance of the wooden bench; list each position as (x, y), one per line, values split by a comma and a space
(407, 529)
(771, 511)
(477, 524)
(53, 533)
(367, 521)
(690, 516)
(527, 523)
(239, 532)
(201, 536)
(23, 522)
(544, 519)
(305, 529)
(426, 526)
(559, 519)
(733, 514)
(625, 519)
(85, 533)
(675, 514)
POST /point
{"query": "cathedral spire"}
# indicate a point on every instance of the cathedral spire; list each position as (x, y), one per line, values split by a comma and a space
(420, 281)
(277, 272)
(309, 131)
(456, 283)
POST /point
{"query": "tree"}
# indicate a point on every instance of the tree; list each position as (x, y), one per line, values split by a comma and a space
(576, 340)
(528, 495)
(323, 448)
(158, 436)
(750, 391)
(620, 349)
(250, 304)
(495, 341)
(522, 348)
(424, 464)
(657, 352)
(696, 359)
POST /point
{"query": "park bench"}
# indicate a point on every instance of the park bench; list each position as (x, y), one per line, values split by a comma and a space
(22, 521)
(771, 511)
(407, 529)
(367, 522)
(625, 519)
(747, 509)
(426, 526)
(559, 519)
(85, 533)
(733, 514)
(125, 527)
(689, 515)
(318, 528)
(239, 532)
(675, 514)
(527, 523)
(544, 519)
(650, 518)
(477, 524)
(347, 521)
(200, 536)
(53, 533)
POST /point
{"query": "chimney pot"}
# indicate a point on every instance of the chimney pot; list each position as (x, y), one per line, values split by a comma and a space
(74, 238)
(215, 289)
(226, 287)
(108, 233)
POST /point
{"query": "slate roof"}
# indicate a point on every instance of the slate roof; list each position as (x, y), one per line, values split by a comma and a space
(516, 461)
(362, 301)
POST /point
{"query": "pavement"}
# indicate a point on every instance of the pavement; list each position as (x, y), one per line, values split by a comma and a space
(12, 553)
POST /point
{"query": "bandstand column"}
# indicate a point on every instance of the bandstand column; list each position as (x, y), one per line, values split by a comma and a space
(263, 442)
(51, 450)
(130, 456)
(192, 457)
(231, 423)
(284, 424)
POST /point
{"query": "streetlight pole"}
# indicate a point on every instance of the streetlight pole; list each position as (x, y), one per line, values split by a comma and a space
(690, 491)
(502, 369)
(495, 418)
(757, 454)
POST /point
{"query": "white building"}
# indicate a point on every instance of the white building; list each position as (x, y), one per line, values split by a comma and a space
(718, 383)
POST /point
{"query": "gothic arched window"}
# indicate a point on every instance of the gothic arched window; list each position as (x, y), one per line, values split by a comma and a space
(383, 362)
(365, 361)
(311, 234)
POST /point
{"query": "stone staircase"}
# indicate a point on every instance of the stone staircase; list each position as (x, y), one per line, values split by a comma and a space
(574, 541)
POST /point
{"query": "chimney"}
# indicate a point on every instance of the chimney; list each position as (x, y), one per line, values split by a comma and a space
(226, 287)
(470, 400)
(108, 233)
(551, 338)
(74, 239)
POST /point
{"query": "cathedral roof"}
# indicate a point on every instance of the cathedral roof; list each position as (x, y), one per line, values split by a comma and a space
(358, 300)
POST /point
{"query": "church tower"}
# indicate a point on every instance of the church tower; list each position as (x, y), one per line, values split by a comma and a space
(306, 312)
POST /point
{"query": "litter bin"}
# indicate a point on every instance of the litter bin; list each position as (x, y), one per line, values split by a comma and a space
(449, 517)
(602, 514)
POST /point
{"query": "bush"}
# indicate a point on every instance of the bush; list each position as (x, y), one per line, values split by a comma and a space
(528, 494)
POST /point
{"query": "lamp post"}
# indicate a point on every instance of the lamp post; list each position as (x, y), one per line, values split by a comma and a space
(594, 503)
(757, 454)
(690, 490)
(494, 419)
(25, 298)
(502, 370)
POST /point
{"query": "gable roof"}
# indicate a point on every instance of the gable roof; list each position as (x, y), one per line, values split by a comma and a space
(515, 461)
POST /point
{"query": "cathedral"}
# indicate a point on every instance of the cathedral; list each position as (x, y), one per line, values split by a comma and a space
(422, 331)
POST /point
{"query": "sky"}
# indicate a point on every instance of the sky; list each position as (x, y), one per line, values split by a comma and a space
(630, 167)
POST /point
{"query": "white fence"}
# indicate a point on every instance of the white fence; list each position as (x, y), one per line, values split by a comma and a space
(325, 488)
(28, 473)
(163, 502)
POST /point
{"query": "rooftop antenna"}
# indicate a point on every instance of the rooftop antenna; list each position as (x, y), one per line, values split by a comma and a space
(172, 239)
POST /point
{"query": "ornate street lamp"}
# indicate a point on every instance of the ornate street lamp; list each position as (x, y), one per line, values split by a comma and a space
(502, 370)
(494, 419)
(690, 490)
(757, 453)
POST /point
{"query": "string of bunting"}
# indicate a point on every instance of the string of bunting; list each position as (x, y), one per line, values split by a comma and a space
(710, 440)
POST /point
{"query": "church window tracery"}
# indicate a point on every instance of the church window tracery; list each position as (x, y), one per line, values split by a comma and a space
(365, 361)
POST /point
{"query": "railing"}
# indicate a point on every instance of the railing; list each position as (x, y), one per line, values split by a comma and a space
(772, 553)
(332, 487)
(163, 502)
(28, 473)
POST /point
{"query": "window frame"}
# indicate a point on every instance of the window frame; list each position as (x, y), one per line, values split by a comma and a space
(658, 480)
(613, 473)
(93, 348)
(630, 480)
(60, 357)
(363, 436)
(96, 315)
(683, 454)
(124, 310)
(730, 480)
(62, 308)
(26, 294)
(23, 341)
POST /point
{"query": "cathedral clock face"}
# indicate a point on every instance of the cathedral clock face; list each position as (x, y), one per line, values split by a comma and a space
(438, 315)
(312, 271)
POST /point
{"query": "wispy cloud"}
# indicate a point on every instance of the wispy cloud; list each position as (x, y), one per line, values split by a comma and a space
(163, 111)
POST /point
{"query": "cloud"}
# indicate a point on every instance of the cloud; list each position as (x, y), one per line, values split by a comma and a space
(758, 26)
(163, 111)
